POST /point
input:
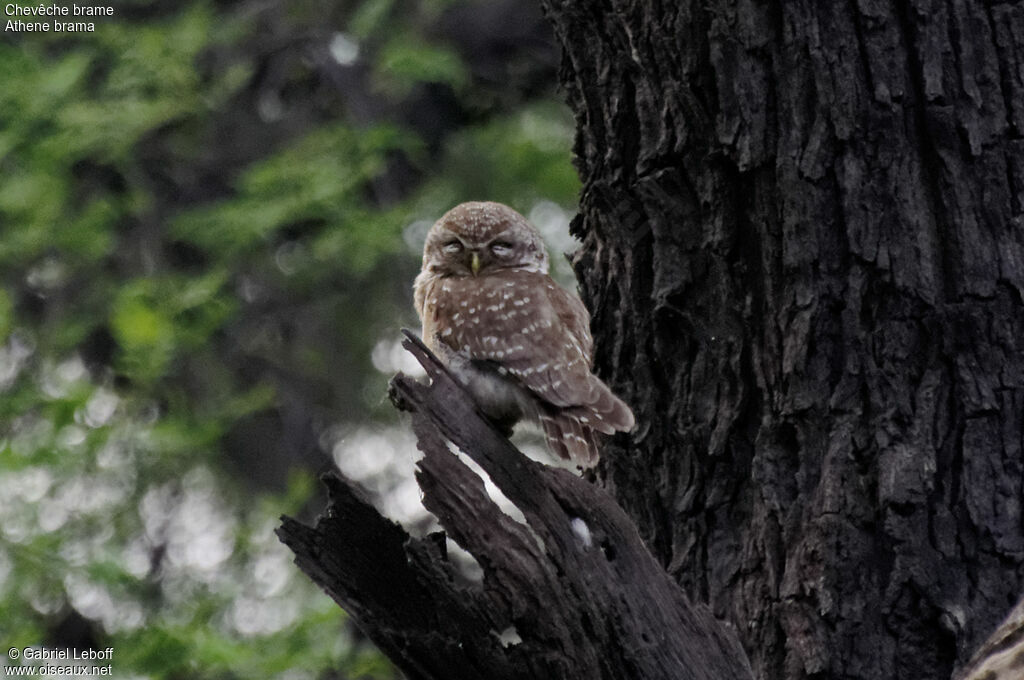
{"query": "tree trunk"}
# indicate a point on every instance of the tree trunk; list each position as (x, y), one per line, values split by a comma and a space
(804, 254)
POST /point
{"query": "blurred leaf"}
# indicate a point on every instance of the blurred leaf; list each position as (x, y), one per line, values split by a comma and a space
(369, 17)
(6, 314)
(405, 62)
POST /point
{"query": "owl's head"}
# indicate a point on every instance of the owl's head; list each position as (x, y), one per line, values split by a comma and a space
(475, 239)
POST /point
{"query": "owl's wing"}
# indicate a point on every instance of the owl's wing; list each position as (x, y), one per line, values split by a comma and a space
(556, 365)
(537, 332)
(574, 316)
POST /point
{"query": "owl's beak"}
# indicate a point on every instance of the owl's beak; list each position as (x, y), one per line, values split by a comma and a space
(474, 263)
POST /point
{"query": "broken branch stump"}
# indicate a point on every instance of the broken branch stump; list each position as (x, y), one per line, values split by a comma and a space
(575, 583)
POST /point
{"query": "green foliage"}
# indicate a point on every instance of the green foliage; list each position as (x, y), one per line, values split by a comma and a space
(370, 17)
(405, 62)
(152, 319)
(524, 151)
(176, 264)
(318, 181)
(6, 314)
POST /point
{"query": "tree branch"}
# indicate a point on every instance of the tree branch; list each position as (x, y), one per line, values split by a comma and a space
(576, 583)
(1002, 653)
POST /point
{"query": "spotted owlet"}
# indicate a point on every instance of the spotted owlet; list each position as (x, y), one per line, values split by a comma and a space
(519, 342)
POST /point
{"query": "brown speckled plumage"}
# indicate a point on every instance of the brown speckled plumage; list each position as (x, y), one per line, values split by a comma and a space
(516, 339)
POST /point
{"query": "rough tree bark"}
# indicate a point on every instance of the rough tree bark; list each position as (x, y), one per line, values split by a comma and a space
(804, 253)
(576, 585)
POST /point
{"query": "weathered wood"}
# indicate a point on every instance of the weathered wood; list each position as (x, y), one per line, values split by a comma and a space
(804, 253)
(575, 583)
(1002, 655)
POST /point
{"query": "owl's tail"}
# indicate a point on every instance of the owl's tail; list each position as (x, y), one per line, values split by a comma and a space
(571, 430)
(568, 438)
(606, 413)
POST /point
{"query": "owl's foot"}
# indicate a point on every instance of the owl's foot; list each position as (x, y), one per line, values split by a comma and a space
(492, 391)
(448, 356)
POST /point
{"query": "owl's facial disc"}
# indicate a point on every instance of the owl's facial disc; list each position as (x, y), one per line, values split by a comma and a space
(480, 239)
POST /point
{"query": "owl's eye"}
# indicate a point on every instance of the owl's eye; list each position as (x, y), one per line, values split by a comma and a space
(501, 248)
(453, 246)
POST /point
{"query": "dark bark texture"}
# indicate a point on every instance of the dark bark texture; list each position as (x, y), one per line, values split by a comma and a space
(575, 583)
(804, 256)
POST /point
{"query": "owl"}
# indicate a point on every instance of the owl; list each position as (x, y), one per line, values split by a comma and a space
(515, 339)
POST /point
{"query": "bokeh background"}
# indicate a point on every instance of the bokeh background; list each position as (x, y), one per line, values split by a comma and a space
(211, 214)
